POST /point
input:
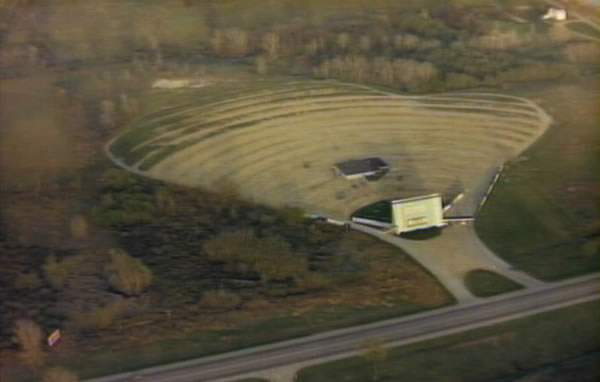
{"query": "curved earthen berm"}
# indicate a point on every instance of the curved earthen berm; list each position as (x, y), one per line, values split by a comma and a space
(277, 144)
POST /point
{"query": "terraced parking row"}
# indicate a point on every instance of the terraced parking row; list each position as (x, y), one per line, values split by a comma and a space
(277, 144)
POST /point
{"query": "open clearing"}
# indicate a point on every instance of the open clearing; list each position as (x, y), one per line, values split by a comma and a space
(275, 142)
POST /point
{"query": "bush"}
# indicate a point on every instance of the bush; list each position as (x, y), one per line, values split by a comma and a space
(227, 246)
(315, 281)
(220, 300)
(78, 227)
(59, 374)
(29, 337)
(101, 317)
(270, 257)
(27, 281)
(55, 272)
(126, 274)
(460, 81)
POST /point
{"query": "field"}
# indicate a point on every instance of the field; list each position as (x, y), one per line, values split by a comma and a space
(541, 345)
(486, 283)
(542, 216)
(275, 142)
(584, 29)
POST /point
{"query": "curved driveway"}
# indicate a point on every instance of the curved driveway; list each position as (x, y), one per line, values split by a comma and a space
(453, 254)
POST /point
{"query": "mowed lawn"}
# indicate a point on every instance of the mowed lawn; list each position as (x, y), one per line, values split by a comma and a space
(517, 348)
(542, 216)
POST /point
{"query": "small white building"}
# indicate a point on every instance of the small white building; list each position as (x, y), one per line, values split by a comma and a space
(417, 213)
(557, 14)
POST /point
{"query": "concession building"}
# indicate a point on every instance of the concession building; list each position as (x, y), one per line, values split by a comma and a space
(361, 168)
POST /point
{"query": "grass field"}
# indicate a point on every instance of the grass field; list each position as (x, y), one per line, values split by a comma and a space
(275, 142)
(542, 216)
(584, 28)
(506, 350)
(486, 284)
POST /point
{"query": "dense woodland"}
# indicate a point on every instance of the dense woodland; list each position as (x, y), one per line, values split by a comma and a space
(84, 245)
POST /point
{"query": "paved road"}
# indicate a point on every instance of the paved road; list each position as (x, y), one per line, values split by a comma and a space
(346, 342)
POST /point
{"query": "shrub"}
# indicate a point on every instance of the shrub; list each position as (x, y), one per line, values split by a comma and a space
(27, 281)
(270, 45)
(376, 352)
(226, 247)
(164, 200)
(257, 304)
(270, 257)
(460, 81)
(78, 227)
(59, 374)
(220, 299)
(315, 281)
(28, 336)
(55, 272)
(293, 215)
(101, 317)
(126, 274)
(261, 65)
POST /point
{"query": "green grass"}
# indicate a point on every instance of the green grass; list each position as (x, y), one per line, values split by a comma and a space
(508, 349)
(584, 28)
(541, 216)
(254, 332)
(486, 284)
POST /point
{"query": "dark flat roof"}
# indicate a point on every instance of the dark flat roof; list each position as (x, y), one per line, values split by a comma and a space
(360, 166)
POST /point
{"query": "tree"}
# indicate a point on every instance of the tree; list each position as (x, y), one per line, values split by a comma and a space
(101, 317)
(364, 44)
(126, 274)
(55, 272)
(79, 227)
(28, 336)
(217, 42)
(59, 374)
(343, 41)
(383, 70)
(270, 45)
(261, 65)
(220, 299)
(376, 352)
(29, 280)
(164, 200)
(237, 42)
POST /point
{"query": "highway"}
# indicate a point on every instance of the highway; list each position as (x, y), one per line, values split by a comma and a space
(346, 342)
